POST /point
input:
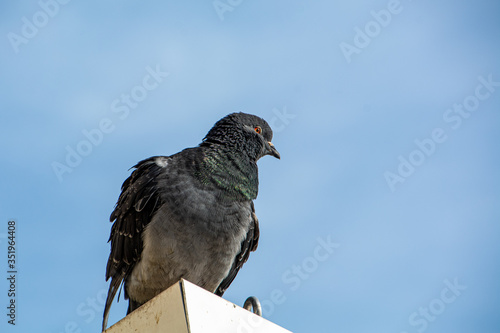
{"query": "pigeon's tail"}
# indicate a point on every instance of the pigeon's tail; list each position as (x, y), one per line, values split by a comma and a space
(113, 288)
(132, 305)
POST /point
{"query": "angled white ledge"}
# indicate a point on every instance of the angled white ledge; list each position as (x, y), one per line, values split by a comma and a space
(187, 308)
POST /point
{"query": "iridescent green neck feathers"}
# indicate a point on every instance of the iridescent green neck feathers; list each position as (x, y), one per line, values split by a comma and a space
(230, 171)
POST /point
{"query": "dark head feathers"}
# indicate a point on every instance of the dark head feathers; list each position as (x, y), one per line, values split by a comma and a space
(243, 132)
(236, 122)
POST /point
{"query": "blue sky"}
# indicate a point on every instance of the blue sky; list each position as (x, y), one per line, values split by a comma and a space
(385, 115)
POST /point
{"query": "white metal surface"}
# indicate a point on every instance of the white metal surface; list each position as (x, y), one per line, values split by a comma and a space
(187, 308)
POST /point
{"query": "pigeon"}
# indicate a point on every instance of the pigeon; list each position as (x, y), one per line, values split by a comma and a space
(189, 215)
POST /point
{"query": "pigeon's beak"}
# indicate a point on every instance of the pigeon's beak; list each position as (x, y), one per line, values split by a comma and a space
(271, 150)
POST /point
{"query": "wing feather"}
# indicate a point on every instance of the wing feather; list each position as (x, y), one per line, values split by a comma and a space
(138, 202)
(248, 245)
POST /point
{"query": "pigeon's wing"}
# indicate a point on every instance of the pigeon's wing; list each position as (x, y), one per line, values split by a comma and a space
(138, 202)
(248, 245)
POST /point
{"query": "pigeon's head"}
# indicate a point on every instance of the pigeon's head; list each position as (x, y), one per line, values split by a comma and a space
(244, 133)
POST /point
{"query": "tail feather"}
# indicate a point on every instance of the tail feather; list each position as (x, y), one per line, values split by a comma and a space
(132, 305)
(113, 288)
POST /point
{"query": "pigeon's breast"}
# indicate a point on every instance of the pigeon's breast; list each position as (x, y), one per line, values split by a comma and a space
(194, 235)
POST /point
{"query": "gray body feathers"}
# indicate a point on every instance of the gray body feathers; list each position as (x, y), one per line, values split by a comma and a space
(189, 215)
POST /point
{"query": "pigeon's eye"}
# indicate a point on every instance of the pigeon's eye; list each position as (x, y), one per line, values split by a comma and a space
(258, 129)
